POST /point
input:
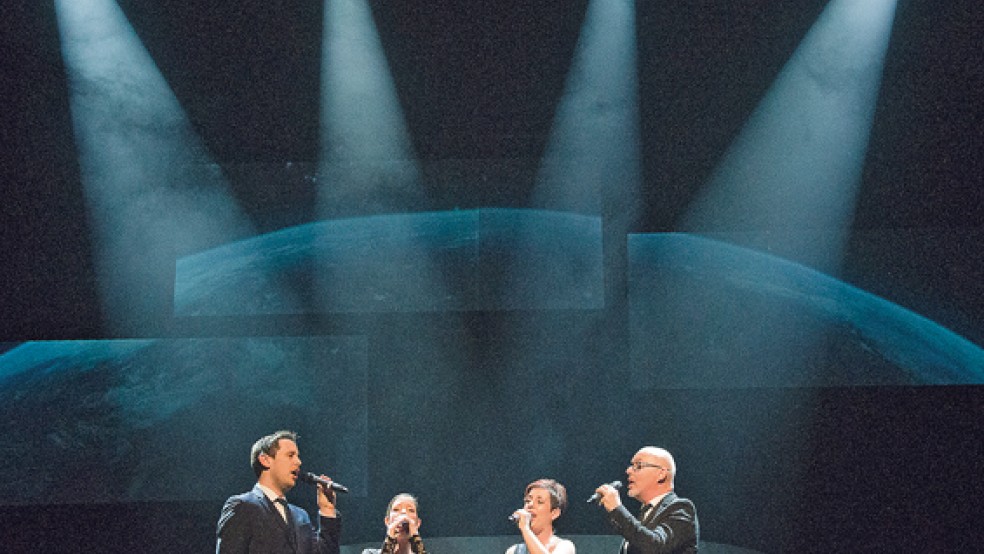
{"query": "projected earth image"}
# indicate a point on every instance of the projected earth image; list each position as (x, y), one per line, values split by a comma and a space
(115, 420)
(103, 415)
(708, 313)
(488, 259)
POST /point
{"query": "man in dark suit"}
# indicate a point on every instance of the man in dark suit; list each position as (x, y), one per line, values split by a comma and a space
(262, 522)
(667, 523)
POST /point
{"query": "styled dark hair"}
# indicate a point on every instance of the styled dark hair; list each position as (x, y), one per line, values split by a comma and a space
(558, 494)
(268, 445)
(401, 496)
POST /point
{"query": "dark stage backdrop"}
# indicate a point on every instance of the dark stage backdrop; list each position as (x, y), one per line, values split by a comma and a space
(446, 334)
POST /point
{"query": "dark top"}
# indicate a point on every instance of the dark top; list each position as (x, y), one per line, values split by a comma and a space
(670, 528)
(390, 545)
(250, 523)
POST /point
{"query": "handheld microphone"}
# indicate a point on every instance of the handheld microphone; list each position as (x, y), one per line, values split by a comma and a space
(597, 496)
(513, 518)
(309, 477)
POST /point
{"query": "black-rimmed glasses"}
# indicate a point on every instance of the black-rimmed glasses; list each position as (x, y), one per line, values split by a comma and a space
(639, 466)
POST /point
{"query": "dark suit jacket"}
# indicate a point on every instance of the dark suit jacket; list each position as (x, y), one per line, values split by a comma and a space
(671, 527)
(251, 524)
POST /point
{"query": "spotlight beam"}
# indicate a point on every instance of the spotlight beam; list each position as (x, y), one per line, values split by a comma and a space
(793, 172)
(152, 193)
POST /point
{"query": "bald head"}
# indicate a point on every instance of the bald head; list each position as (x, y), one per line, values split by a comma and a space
(663, 456)
(650, 474)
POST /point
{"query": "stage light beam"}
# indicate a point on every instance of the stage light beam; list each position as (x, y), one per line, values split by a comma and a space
(367, 159)
(790, 178)
(592, 160)
(152, 193)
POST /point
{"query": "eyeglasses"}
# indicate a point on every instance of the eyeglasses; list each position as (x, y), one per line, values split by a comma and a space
(639, 466)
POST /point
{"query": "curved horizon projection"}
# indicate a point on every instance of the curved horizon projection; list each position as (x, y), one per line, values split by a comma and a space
(706, 313)
(113, 420)
(484, 259)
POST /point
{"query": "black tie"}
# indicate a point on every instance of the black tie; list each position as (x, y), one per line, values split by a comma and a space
(643, 513)
(283, 504)
(288, 519)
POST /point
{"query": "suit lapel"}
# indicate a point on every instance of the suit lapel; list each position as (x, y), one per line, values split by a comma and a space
(274, 513)
(289, 524)
(654, 514)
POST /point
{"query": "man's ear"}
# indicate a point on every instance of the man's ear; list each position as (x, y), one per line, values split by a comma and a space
(265, 460)
(554, 513)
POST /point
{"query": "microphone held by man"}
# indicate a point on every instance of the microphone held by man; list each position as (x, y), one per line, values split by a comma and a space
(664, 522)
(597, 495)
(246, 522)
(313, 479)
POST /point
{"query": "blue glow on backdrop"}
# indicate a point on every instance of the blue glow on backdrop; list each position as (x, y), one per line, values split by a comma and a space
(591, 165)
(491, 259)
(792, 173)
(367, 161)
(787, 186)
(152, 192)
(366, 244)
(114, 420)
(732, 314)
(593, 154)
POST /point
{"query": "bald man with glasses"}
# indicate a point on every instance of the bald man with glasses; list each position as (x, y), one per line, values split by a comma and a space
(667, 523)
